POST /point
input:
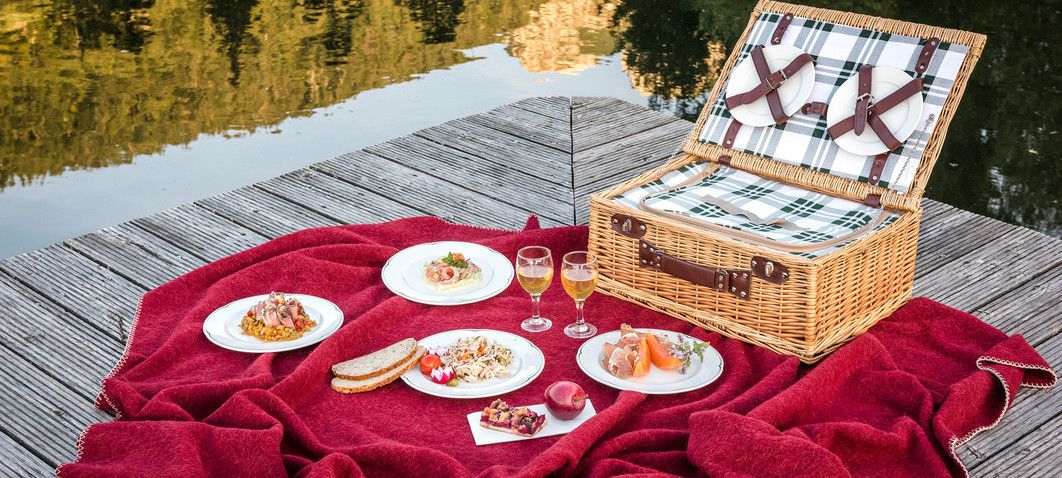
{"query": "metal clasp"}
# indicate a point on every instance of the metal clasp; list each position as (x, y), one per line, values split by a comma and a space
(774, 86)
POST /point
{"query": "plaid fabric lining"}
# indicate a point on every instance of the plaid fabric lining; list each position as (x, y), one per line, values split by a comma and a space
(839, 51)
(810, 217)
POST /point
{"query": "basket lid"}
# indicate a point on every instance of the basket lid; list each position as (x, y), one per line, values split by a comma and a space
(802, 150)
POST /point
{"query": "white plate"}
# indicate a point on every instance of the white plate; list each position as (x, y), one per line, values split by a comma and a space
(403, 273)
(658, 382)
(554, 426)
(902, 119)
(222, 326)
(792, 93)
(528, 363)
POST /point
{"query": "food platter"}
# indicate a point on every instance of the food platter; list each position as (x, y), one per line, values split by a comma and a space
(700, 373)
(404, 273)
(527, 363)
(222, 326)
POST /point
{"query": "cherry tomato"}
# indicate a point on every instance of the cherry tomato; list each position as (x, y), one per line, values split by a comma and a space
(429, 362)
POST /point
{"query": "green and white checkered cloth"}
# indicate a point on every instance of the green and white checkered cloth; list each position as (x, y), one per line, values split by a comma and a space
(839, 51)
(788, 214)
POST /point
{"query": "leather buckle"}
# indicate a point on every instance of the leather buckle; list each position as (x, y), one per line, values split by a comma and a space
(866, 96)
(768, 270)
(773, 85)
(628, 226)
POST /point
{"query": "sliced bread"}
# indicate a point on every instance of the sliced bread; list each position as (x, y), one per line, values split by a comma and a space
(376, 363)
(343, 385)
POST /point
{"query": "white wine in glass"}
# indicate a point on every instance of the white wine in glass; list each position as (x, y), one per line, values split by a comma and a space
(534, 271)
(579, 278)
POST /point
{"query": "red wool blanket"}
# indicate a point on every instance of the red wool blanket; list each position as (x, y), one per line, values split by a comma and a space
(894, 402)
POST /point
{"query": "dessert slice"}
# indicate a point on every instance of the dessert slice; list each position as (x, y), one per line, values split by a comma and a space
(519, 421)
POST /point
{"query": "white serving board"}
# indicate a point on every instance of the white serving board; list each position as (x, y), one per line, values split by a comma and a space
(554, 426)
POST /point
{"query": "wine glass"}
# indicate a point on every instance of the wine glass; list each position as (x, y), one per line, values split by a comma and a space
(534, 271)
(579, 277)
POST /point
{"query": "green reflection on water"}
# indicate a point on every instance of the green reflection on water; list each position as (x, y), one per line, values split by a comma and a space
(92, 84)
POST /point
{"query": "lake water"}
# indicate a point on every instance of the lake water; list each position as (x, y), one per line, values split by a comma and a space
(115, 109)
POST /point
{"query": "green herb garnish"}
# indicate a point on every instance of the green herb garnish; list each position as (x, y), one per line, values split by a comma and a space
(685, 350)
(452, 262)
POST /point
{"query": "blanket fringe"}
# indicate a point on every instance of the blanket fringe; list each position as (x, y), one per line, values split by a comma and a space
(80, 444)
(956, 442)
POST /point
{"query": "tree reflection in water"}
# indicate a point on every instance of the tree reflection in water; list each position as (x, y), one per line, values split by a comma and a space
(232, 18)
(437, 19)
(86, 84)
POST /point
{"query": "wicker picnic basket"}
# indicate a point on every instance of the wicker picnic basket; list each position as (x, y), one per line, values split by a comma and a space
(789, 298)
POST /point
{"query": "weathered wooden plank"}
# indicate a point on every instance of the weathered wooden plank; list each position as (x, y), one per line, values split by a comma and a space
(954, 237)
(1031, 409)
(338, 200)
(264, 213)
(535, 159)
(614, 162)
(1037, 454)
(613, 120)
(200, 232)
(552, 132)
(96, 295)
(42, 411)
(135, 255)
(497, 180)
(1032, 309)
(15, 460)
(426, 193)
(991, 270)
(55, 340)
(587, 103)
(558, 107)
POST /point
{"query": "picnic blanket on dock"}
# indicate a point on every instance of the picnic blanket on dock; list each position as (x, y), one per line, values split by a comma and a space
(894, 402)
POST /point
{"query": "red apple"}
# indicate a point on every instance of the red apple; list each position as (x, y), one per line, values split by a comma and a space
(565, 400)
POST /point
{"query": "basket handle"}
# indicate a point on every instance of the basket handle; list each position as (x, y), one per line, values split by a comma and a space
(734, 282)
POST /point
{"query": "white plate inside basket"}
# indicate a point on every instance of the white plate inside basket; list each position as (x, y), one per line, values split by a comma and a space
(554, 426)
(792, 93)
(590, 358)
(222, 326)
(902, 119)
(403, 273)
(528, 363)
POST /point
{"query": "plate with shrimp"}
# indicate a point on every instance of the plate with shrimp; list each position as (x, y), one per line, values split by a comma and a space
(651, 361)
(447, 273)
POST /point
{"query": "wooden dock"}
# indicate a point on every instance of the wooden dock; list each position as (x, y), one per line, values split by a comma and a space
(540, 155)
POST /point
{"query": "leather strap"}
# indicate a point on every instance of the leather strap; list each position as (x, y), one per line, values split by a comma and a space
(927, 54)
(877, 167)
(769, 83)
(875, 109)
(728, 140)
(866, 80)
(735, 282)
(779, 31)
(816, 107)
(731, 133)
(873, 200)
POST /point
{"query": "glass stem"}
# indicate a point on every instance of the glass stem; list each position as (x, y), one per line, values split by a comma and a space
(579, 322)
(536, 301)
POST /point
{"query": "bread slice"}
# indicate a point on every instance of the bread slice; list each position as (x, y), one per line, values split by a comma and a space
(343, 385)
(376, 363)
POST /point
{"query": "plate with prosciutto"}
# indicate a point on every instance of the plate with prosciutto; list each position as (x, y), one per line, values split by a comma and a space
(274, 322)
(651, 361)
(447, 273)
